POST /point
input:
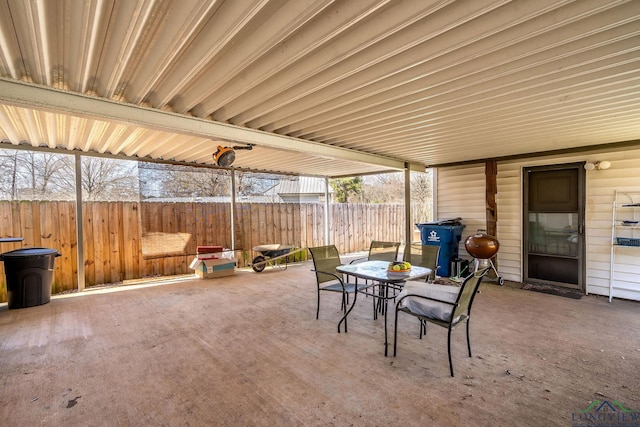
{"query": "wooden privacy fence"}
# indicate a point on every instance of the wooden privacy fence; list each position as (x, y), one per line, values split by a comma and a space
(132, 240)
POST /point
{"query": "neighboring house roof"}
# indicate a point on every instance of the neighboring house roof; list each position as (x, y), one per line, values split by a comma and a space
(301, 185)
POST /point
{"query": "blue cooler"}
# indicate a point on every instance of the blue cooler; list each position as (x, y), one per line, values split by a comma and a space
(446, 234)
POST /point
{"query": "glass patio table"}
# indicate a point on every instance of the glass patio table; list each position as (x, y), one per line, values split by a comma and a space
(377, 271)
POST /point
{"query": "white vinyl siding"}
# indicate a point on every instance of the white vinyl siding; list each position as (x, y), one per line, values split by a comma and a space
(461, 193)
(509, 225)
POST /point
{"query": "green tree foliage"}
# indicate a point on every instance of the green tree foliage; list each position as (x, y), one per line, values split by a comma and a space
(390, 188)
(346, 188)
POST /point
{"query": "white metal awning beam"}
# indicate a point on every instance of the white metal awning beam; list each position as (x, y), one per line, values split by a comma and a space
(27, 95)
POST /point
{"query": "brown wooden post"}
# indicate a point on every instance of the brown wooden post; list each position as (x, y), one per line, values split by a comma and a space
(491, 173)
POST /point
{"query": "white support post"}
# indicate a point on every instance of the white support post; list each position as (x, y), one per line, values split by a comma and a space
(233, 210)
(408, 227)
(79, 229)
(326, 211)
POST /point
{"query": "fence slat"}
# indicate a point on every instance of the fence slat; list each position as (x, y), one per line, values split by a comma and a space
(89, 239)
(129, 242)
(69, 277)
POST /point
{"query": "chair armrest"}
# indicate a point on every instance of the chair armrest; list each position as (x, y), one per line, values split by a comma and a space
(430, 307)
(427, 298)
(358, 260)
(339, 277)
(329, 274)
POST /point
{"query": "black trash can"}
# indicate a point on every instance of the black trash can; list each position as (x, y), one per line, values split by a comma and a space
(29, 274)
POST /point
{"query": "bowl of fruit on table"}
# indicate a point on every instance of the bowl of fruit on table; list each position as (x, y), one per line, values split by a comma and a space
(399, 267)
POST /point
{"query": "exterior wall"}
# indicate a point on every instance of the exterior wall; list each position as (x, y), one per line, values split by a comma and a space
(509, 226)
(624, 175)
(461, 193)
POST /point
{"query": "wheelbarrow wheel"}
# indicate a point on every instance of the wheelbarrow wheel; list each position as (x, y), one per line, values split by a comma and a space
(258, 268)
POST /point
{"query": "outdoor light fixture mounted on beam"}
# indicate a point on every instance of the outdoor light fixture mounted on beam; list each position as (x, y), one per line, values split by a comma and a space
(225, 156)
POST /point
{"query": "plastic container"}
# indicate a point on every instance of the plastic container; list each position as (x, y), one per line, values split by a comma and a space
(29, 274)
(447, 235)
(627, 241)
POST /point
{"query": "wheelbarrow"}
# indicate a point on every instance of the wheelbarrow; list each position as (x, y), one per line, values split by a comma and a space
(271, 253)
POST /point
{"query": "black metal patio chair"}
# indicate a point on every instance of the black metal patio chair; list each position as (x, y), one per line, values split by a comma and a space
(325, 261)
(446, 306)
(381, 251)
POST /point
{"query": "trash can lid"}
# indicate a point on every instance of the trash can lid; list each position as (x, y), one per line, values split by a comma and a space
(27, 252)
(448, 221)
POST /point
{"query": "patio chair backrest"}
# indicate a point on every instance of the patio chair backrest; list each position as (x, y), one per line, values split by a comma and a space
(383, 251)
(467, 294)
(423, 256)
(325, 258)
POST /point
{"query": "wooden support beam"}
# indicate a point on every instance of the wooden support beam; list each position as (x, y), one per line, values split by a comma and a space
(491, 186)
(491, 173)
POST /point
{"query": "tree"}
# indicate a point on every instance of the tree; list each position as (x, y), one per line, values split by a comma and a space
(193, 182)
(384, 188)
(390, 188)
(174, 181)
(30, 174)
(35, 175)
(346, 188)
(9, 172)
(102, 178)
(253, 183)
(422, 194)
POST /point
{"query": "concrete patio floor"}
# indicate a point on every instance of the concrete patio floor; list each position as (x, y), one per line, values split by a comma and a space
(247, 350)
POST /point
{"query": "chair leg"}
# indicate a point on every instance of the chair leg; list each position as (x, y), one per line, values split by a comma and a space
(318, 307)
(449, 351)
(395, 334)
(468, 340)
(423, 328)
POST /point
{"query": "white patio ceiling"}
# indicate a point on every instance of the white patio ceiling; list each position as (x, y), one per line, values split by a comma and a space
(321, 87)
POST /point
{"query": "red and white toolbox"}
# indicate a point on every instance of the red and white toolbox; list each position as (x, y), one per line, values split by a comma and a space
(208, 252)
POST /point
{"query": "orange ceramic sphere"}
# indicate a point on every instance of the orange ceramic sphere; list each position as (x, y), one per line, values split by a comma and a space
(482, 245)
